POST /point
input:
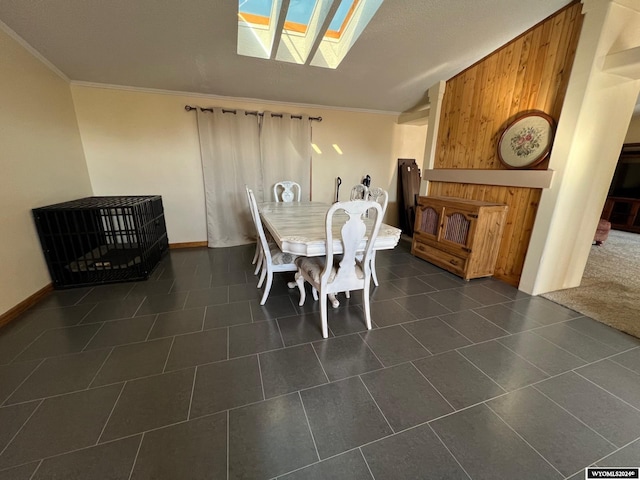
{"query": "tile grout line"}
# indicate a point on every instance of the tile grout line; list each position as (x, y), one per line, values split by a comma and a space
(142, 302)
(585, 333)
(579, 333)
(313, 437)
(4, 402)
(604, 389)
(204, 318)
(320, 362)
(264, 397)
(523, 439)
(15, 357)
(615, 451)
(393, 432)
(88, 313)
(366, 463)
(228, 429)
(155, 320)
(280, 332)
(21, 427)
(281, 475)
(587, 362)
(620, 364)
(166, 360)
(83, 297)
(104, 427)
(84, 349)
(547, 341)
(99, 369)
(401, 325)
(574, 416)
(448, 450)
(432, 385)
(487, 375)
(37, 468)
(193, 387)
(524, 319)
(135, 460)
(186, 298)
(523, 358)
(370, 349)
(446, 324)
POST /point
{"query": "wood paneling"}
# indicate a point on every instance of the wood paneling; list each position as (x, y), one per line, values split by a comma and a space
(531, 72)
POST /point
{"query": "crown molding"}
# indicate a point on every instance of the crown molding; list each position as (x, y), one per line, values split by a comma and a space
(23, 43)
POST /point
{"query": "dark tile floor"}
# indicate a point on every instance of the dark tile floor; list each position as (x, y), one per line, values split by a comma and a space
(186, 376)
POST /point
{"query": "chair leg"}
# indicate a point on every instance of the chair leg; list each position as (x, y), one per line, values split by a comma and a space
(314, 292)
(334, 301)
(300, 282)
(267, 288)
(347, 294)
(255, 255)
(262, 275)
(367, 308)
(259, 262)
(373, 268)
(323, 315)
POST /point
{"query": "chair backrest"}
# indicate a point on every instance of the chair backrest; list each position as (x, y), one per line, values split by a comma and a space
(258, 223)
(380, 196)
(288, 194)
(352, 234)
(246, 187)
(359, 192)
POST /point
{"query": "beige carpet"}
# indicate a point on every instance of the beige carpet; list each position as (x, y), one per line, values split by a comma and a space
(610, 289)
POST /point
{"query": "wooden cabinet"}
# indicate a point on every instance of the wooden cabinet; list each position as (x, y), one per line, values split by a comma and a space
(623, 213)
(461, 236)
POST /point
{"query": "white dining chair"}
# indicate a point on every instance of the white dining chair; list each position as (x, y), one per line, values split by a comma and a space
(284, 191)
(330, 275)
(274, 260)
(380, 196)
(258, 255)
(359, 192)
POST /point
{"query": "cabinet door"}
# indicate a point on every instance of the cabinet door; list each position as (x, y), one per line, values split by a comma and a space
(428, 220)
(457, 228)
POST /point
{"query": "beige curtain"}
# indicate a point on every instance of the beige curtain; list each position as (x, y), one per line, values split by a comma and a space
(285, 148)
(230, 149)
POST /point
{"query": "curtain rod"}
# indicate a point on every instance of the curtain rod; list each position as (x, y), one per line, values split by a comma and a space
(188, 108)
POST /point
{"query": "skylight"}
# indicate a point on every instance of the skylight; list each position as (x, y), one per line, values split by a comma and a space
(315, 32)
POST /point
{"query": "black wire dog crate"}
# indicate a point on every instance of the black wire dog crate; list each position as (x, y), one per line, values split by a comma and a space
(98, 240)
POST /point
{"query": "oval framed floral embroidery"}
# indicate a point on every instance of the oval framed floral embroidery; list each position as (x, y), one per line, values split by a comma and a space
(527, 140)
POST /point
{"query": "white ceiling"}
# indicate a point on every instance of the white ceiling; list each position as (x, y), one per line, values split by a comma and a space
(190, 46)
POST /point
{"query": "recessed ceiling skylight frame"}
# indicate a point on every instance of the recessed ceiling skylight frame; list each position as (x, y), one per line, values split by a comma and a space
(305, 27)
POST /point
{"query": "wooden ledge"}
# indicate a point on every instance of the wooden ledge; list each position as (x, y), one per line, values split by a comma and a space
(504, 178)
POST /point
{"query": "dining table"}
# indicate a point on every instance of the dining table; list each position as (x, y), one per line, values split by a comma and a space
(299, 228)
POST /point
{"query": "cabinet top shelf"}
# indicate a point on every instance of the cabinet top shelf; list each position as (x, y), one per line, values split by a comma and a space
(464, 201)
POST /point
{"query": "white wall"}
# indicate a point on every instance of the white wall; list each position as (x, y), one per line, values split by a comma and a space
(591, 130)
(144, 142)
(41, 162)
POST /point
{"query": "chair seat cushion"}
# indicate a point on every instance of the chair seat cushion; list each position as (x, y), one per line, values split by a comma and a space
(278, 257)
(314, 266)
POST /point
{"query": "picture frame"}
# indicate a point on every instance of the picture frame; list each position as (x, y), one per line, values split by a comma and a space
(527, 140)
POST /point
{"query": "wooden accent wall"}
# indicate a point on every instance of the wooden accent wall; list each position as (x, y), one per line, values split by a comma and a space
(529, 73)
